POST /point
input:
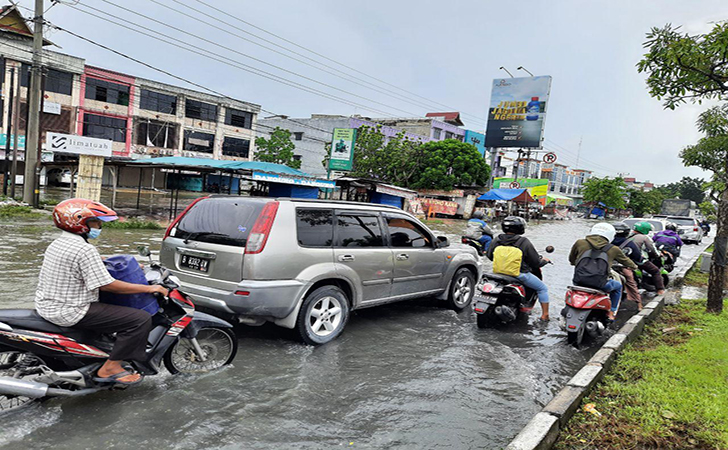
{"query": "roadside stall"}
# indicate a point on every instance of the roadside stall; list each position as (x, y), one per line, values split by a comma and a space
(517, 200)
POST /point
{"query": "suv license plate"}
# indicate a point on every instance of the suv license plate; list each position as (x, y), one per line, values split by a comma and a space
(194, 263)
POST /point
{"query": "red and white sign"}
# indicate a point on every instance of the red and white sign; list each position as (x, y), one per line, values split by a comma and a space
(514, 185)
(432, 205)
(549, 158)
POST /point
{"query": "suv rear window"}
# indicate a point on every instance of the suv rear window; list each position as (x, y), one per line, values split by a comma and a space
(315, 227)
(224, 221)
(357, 230)
(682, 221)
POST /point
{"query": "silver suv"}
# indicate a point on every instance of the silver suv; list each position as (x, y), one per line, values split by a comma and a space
(305, 264)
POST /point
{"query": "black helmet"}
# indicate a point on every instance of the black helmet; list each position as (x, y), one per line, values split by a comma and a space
(513, 224)
(622, 229)
(478, 214)
(671, 226)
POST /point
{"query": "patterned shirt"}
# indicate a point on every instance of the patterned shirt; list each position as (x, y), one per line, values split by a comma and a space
(69, 281)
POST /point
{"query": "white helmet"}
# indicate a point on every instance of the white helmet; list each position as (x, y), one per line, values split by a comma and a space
(604, 229)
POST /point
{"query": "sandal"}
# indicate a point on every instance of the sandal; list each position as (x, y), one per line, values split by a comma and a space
(115, 379)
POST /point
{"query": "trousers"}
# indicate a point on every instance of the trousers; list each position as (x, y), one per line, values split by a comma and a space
(532, 281)
(131, 326)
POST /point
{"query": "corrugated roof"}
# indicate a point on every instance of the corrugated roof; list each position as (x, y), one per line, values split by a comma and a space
(452, 117)
(257, 166)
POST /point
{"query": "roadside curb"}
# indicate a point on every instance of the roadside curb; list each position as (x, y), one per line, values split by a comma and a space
(543, 430)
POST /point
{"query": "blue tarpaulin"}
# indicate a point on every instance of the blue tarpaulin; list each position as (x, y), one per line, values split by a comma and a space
(292, 191)
(518, 195)
(386, 199)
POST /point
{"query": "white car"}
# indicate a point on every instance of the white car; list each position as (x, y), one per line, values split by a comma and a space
(657, 224)
(688, 228)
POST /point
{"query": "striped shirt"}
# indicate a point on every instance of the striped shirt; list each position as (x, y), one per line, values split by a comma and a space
(69, 280)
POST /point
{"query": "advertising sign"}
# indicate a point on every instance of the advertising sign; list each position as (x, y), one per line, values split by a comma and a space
(476, 139)
(78, 145)
(432, 205)
(284, 179)
(4, 141)
(342, 149)
(537, 187)
(51, 108)
(517, 112)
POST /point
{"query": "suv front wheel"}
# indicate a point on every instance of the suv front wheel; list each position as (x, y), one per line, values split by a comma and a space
(462, 289)
(323, 315)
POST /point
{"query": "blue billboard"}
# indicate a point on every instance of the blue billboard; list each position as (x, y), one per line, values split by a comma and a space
(477, 139)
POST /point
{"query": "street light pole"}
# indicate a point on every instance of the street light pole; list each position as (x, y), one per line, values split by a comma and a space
(32, 140)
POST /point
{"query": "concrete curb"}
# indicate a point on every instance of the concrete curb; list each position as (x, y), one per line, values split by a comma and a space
(543, 430)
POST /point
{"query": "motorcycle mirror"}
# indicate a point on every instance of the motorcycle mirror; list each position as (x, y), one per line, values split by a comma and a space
(550, 249)
(144, 250)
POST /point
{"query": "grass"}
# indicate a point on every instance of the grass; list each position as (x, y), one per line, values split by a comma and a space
(134, 224)
(694, 277)
(667, 391)
(19, 212)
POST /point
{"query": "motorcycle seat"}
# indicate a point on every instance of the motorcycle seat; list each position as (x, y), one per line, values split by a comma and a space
(586, 289)
(502, 278)
(29, 319)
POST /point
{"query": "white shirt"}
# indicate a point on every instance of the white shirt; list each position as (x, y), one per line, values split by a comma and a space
(69, 280)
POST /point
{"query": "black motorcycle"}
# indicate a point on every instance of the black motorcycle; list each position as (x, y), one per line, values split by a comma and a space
(473, 243)
(39, 359)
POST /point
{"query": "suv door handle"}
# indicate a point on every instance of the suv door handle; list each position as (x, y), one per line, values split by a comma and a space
(346, 257)
(402, 257)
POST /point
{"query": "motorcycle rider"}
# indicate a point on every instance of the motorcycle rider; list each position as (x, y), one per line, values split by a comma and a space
(513, 229)
(670, 239)
(630, 249)
(68, 288)
(640, 237)
(479, 230)
(601, 235)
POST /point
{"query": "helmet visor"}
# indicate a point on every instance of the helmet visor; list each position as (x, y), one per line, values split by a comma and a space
(107, 218)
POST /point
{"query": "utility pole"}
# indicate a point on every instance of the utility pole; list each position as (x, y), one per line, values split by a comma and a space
(493, 152)
(16, 131)
(32, 138)
(6, 165)
(578, 152)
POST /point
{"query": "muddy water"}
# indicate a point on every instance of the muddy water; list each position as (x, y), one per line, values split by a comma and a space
(409, 375)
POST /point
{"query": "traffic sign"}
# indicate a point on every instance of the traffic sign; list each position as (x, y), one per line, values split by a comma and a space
(549, 157)
(514, 185)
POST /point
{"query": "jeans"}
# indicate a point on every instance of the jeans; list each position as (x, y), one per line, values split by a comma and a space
(614, 288)
(530, 280)
(485, 241)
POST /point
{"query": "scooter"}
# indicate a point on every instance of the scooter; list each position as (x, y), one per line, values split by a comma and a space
(39, 359)
(585, 311)
(503, 298)
(473, 243)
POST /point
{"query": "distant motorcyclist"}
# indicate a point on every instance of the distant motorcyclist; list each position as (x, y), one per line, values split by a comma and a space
(479, 230)
(670, 239)
(599, 239)
(634, 253)
(513, 229)
(705, 226)
(640, 237)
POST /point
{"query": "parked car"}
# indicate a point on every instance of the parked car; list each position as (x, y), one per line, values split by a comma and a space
(60, 176)
(688, 228)
(306, 264)
(657, 224)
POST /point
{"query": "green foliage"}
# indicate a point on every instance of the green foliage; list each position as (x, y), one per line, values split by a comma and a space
(610, 191)
(682, 68)
(707, 208)
(642, 203)
(451, 163)
(19, 212)
(277, 149)
(687, 188)
(711, 152)
(134, 224)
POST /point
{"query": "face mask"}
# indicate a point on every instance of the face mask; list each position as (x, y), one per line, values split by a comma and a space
(93, 233)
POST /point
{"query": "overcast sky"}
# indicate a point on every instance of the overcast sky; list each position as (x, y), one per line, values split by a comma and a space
(445, 52)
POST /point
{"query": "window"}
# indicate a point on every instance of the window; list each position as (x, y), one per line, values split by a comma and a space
(436, 133)
(298, 135)
(155, 101)
(358, 231)
(238, 118)
(59, 82)
(24, 75)
(199, 142)
(405, 233)
(106, 91)
(236, 147)
(200, 110)
(315, 227)
(152, 133)
(297, 157)
(225, 221)
(104, 127)
(448, 135)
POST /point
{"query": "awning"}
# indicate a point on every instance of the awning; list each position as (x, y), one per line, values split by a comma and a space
(218, 164)
(516, 195)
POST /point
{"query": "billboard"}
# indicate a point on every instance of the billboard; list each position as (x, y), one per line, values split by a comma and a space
(476, 139)
(517, 112)
(79, 145)
(537, 187)
(342, 149)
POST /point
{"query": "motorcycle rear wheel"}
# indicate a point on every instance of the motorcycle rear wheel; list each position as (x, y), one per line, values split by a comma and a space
(220, 345)
(575, 337)
(9, 362)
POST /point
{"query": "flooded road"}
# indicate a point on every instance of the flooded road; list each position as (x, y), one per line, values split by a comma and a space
(408, 375)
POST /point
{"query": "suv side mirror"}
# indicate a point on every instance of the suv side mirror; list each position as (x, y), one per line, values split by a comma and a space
(442, 242)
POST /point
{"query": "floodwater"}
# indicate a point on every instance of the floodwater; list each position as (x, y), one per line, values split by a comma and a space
(408, 375)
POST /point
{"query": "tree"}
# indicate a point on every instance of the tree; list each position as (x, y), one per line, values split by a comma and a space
(683, 68)
(707, 209)
(688, 188)
(610, 191)
(450, 163)
(277, 149)
(642, 203)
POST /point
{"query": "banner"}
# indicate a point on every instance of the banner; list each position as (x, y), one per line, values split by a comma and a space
(537, 187)
(288, 179)
(342, 149)
(517, 112)
(476, 139)
(78, 145)
(431, 205)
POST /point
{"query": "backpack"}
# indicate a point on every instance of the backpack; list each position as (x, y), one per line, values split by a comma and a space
(592, 269)
(507, 259)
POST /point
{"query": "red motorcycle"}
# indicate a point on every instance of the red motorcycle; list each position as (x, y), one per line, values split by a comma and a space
(586, 311)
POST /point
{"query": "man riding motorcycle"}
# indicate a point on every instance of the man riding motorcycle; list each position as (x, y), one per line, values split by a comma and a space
(70, 279)
(513, 229)
(479, 230)
(640, 237)
(630, 249)
(670, 239)
(599, 239)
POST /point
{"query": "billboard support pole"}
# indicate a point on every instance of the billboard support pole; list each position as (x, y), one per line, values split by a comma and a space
(493, 152)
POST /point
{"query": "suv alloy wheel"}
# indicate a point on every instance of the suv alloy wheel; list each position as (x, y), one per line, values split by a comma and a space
(323, 315)
(462, 289)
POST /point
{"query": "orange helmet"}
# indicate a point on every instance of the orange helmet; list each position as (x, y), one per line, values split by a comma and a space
(71, 215)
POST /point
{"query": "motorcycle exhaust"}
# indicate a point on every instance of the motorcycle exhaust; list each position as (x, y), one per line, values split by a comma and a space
(594, 328)
(23, 388)
(505, 313)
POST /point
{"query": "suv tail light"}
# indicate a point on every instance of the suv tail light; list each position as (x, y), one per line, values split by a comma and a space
(695, 229)
(261, 228)
(176, 221)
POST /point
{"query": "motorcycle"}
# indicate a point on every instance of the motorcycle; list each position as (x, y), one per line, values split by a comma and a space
(665, 263)
(503, 298)
(473, 243)
(39, 359)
